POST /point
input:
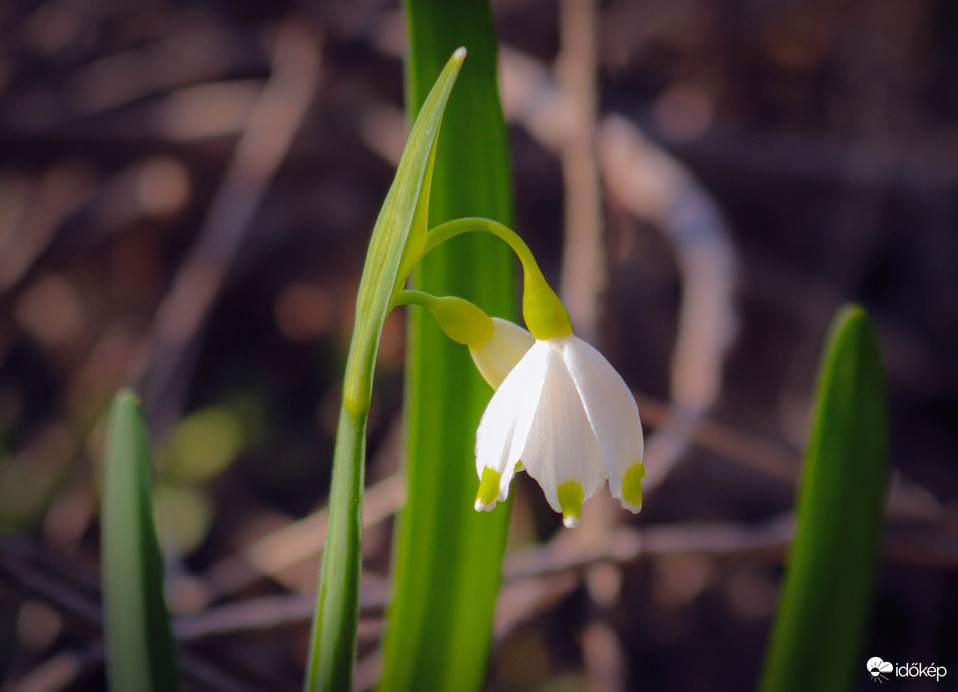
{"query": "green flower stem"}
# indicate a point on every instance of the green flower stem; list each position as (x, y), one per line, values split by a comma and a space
(461, 320)
(545, 315)
(451, 229)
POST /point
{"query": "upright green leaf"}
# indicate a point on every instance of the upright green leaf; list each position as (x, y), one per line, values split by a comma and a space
(139, 643)
(397, 236)
(817, 637)
(448, 559)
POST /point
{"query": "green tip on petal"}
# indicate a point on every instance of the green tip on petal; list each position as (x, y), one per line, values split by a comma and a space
(488, 490)
(632, 487)
(571, 497)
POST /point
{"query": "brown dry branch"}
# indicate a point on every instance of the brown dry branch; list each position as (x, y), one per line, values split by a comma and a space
(304, 539)
(584, 258)
(62, 671)
(656, 187)
(165, 361)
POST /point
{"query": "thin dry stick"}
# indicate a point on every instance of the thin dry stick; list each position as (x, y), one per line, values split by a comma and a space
(583, 257)
(603, 657)
(261, 149)
(654, 186)
(262, 614)
(26, 572)
(23, 567)
(300, 540)
(766, 542)
(304, 539)
(906, 498)
(122, 78)
(271, 613)
(368, 672)
(68, 669)
(627, 544)
(61, 672)
(775, 460)
(524, 600)
(43, 208)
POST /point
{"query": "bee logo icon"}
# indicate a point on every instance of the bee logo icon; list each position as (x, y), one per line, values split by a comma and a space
(876, 667)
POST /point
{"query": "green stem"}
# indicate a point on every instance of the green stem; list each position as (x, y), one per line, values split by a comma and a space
(451, 229)
(331, 665)
(420, 298)
(462, 321)
(545, 315)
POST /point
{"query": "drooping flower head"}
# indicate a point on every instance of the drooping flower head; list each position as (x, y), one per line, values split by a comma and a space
(560, 410)
(569, 419)
(562, 413)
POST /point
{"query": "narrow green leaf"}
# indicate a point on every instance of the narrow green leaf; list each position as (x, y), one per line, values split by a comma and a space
(139, 643)
(448, 559)
(399, 231)
(817, 637)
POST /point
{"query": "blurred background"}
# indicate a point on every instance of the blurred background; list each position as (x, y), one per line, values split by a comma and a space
(186, 194)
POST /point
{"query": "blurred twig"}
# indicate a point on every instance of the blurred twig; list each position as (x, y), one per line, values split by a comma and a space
(28, 571)
(522, 600)
(61, 671)
(123, 78)
(906, 498)
(626, 544)
(656, 187)
(25, 568)
(38, 216)
(583, 256)
(540, 566)
(165, 359)
(300, 540)
(304, 539)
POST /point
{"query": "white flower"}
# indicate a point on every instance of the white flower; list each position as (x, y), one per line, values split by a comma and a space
(570, 419)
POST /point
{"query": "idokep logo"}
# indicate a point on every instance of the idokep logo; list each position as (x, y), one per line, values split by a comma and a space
(879, 670)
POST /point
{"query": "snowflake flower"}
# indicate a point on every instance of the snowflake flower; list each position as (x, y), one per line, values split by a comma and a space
(564, 415)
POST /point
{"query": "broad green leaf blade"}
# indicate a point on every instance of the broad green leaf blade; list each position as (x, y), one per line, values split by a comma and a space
(139, 643)
(448, 559)
(399, 230)
(817, 637)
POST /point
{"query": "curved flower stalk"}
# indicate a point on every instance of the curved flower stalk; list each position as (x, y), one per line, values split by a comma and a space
(560, 411)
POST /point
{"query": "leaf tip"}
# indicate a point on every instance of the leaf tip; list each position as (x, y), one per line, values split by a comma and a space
(128, 395)
(459, 54)
(853, 322)
(851, 312)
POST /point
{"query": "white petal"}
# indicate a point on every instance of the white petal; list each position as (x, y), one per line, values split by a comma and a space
(507, 419)
(498, 356)
(561, 446)
(611, 409)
